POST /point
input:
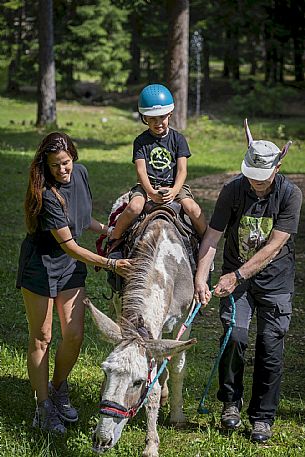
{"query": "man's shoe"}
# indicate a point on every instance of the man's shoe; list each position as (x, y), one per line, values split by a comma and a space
(261, 432)
(61, 400)
(46, 418)
(230, 416)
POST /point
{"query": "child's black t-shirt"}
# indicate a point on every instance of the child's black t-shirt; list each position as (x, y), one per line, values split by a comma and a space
(160, 155)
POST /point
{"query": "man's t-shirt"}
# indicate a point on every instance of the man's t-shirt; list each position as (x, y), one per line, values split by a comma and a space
(249, 220)
(160, 155)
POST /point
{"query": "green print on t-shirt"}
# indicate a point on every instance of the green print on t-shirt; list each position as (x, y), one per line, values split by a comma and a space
(160, 158)
(253, 232)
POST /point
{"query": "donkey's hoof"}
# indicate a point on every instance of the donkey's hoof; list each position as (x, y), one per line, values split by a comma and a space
(150, 451)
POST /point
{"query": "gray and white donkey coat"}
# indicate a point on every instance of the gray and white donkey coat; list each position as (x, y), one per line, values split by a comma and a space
(157, 298)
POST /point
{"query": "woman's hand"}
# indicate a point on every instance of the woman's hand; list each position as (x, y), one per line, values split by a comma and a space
(122, 266)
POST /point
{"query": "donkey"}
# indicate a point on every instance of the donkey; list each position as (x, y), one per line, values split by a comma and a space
(157, 297)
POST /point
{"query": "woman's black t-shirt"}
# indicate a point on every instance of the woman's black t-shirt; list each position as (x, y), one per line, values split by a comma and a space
(44, 268)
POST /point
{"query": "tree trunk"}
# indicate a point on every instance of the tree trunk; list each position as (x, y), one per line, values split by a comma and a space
(235, 54)
(298, 58)
(15, 39)
(135, 71)
(206, 70)
(46, 113)
(252, 57)
(178, 57)
(226, 57)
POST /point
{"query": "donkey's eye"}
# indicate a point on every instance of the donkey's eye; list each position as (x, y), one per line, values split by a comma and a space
(138, 383)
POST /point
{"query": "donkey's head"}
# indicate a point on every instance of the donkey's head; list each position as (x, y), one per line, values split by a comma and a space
(128, 370)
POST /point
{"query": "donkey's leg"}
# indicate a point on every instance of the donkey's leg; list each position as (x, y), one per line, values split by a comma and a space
(177, 368)
(152, 409)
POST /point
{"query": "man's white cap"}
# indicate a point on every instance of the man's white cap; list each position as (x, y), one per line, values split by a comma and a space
(260, 160)
(261, 157)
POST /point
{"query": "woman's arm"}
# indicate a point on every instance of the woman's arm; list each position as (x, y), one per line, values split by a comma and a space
(64, 237)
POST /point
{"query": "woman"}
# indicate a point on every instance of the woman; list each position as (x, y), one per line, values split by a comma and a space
(52, 271)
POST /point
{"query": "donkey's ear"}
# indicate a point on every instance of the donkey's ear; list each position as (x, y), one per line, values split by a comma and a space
(110, 331)
(285, 149)
(164, 348)
(248, 133)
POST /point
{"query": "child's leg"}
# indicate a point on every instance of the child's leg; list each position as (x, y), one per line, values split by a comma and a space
(193, 210)
(130, 213)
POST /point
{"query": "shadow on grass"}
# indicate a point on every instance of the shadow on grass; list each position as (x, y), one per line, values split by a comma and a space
(17, 407)
(30, 138)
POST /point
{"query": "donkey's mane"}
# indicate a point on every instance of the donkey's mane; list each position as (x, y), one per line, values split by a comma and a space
(140, 274)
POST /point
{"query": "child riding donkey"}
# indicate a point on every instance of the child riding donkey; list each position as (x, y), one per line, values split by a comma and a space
(160, 155)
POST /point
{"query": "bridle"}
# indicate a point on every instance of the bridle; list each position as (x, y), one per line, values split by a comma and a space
(114, 409)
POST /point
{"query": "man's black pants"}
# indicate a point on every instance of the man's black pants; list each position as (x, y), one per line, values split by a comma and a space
(273, 319)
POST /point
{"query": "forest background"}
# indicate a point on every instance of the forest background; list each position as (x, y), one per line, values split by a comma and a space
(235, 59)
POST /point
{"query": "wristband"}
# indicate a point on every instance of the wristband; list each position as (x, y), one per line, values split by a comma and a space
(239, 277)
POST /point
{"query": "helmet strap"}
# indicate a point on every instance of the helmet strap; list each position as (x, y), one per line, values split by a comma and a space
(143, 119)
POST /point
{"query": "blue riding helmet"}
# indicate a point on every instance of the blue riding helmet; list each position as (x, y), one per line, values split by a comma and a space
(155, 100)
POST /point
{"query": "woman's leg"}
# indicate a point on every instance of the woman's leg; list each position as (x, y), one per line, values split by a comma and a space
(71, 311)
(39, 311)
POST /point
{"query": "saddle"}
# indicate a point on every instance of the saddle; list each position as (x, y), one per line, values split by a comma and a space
(171, 212)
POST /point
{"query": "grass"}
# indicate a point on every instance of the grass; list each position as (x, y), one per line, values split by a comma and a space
(104, 137)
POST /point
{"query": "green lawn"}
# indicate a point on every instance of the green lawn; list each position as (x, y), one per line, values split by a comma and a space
(104, 137)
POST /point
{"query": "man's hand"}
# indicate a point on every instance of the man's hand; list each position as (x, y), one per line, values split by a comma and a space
(225, 285)
(202, 293)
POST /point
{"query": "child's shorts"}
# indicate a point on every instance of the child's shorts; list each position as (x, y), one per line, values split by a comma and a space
(138, 191)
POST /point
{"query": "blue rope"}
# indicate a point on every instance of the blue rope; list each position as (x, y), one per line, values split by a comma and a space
(186, 324)
(201, 408)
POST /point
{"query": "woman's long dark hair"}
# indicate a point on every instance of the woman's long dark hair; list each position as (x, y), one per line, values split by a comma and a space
(40, 175)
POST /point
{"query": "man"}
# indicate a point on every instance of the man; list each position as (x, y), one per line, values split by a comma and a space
(259, 211)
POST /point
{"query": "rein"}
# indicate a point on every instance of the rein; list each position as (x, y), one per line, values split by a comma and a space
(201, 408)
(183, 327)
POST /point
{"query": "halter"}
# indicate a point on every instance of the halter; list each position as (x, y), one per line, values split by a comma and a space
(114, 409)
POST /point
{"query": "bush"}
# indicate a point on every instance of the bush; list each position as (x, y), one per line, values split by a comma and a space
(261, 100)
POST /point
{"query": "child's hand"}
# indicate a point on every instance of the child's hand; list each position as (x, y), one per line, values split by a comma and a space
(167, 194)
(156, 196)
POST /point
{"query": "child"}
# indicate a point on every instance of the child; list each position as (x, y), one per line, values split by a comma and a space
(160, 154)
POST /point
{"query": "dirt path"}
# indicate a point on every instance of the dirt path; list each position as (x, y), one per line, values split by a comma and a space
(208, 187)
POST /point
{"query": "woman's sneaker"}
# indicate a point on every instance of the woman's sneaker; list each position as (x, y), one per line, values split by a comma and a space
(46, 418)
(61, 400)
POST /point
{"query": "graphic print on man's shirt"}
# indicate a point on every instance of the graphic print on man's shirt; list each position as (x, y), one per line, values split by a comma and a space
(253, 233)
(160, 158)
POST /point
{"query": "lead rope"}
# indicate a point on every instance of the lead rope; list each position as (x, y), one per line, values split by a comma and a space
(201, 408)
(183, 327)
